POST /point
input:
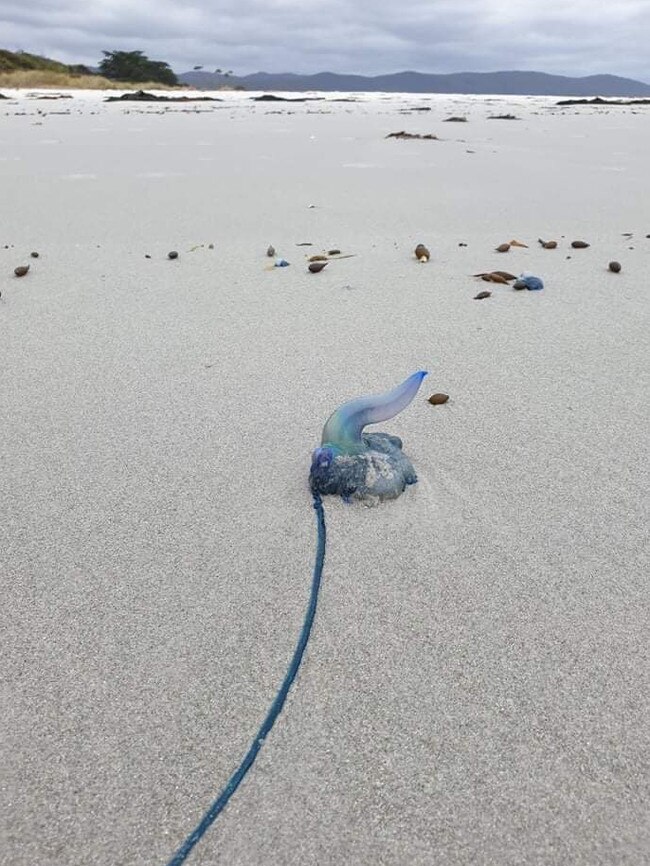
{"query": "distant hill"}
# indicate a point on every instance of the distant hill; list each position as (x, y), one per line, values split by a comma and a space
(514, 83)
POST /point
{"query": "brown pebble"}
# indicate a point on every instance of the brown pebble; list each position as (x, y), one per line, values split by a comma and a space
(506, 276)
(615, 267)
(334, 252)
(438, 399)
(503, 248)
(486, 277)
(497, 278)
(519, 284)
(172, 255)
(579, 245)
(316, 267)
(21, 270)
(482, 295)
(548, 245)
(422, 253)
(34, 255)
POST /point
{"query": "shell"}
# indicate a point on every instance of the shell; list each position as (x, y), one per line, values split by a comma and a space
(21, 270)
(548, 245)
(316, 267)
(438, 399)
(317, 259)
(615, 267)
(518, 244)
(422, 253)
(503, 248)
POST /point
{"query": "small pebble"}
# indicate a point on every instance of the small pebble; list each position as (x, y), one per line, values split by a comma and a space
(482, 295)
(503, 248)
(210, 246)
(438, 399)
(579, 245)
(316, 267)
(21, 270)
(172, 255)
(34, 255)
(270, 252)
(615, 267)
(461, 244)
(317, 259)
(147, 256)
(334, 252)
(519, 284)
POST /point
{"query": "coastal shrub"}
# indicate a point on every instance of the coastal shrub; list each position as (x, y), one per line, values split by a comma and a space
(135, 66)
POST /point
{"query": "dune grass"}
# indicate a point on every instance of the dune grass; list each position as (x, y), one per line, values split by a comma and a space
(51, 79)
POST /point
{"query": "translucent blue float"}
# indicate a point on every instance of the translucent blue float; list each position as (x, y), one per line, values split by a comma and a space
(367, 466)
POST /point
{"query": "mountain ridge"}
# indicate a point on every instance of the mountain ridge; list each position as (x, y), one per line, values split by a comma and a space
(506, 82)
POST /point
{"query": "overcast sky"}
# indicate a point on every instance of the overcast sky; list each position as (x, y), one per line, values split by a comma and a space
(568, 37)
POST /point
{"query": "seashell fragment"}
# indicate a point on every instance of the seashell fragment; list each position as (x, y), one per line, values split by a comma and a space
(482, 295)
(503, 248)
(316, 267)
(615, 267)
(422, 253)
(21, 270)
(518, 244)
(579, 245)
(438, 399)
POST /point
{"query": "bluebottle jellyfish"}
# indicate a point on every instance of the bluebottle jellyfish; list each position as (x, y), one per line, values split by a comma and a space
(528, 281)
(365, 466)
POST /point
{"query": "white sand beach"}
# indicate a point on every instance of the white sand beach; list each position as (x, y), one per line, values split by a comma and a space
(476, 686)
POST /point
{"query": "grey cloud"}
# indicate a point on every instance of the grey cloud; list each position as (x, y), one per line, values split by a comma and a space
(366, 36)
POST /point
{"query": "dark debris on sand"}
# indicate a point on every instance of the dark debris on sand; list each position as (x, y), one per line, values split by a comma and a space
(143, 96)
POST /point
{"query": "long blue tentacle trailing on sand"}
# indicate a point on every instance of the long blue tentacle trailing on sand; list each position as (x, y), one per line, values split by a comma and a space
(351, 464)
